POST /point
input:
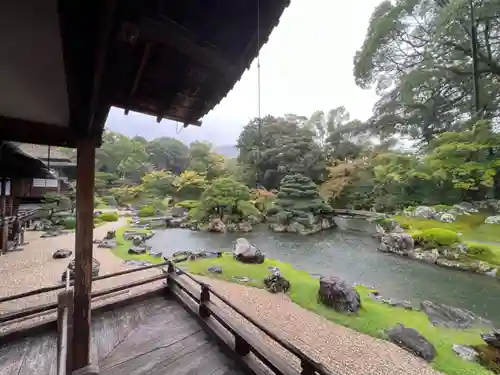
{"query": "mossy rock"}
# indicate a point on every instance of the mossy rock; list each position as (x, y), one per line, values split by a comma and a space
(437, 237)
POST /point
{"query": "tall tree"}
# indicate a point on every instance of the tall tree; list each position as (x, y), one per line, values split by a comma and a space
(418, 56)
(277, 147)
(168, 153)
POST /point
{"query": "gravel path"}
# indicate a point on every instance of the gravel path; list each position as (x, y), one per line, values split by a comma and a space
(33, 268)
(344, 351)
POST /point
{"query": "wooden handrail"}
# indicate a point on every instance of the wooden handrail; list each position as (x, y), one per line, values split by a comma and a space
(64, 329)
(244, 342)
(198, 303)
(47, 289)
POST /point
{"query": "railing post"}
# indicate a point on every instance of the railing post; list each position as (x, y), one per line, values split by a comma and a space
(64, 331)
(170, 274)
(307, 368)
(241, 347)
(204, 298)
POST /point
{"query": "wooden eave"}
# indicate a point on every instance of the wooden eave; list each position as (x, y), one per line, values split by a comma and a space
(167, 59)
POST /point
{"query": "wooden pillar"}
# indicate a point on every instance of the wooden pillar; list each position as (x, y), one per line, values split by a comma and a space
(83, 252)
(4, 229)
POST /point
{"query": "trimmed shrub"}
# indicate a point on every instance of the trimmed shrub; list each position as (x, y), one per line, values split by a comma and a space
(97, 221)
(437, 237)
(109, 200)
(188, 204)
(69, 222)
(109, 216)
(99, 202)
(147, 211)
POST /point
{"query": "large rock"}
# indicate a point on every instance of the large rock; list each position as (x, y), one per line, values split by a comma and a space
(278, 228)
(137, 240)
(492, 338)
(178, 211)
(276, 283)
(453, 317)
(71, 267)
(110, 235)
(137, 250)
(216, 225)
(424, 212)
(62, 253)
(492, 220)
(176, 222)
(336, 293)
(446, 217)
(245, 227)
(429, 256)
(412, 341)
(465, 352)
(399, 243)
(465, 208)
(129, 235)
(107, 244)
(245, 252)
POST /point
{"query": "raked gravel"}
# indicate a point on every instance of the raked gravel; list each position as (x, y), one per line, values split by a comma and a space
(343, 350)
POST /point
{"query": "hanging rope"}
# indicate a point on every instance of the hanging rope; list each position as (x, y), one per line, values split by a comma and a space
(258, 177)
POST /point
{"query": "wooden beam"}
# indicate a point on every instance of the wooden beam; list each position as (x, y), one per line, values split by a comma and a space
(159, 118)
(83, 252)
(18, 130)
(100, 88)
(138, 75)
(3, 214)
(164, 30)
(85, 30)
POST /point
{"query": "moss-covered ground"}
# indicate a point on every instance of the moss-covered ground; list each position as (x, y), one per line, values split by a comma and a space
(373, 319)
(474, 232)
(121, 251)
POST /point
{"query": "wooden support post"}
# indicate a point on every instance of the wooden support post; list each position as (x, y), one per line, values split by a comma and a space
(4, 228)
(204, 298)
(170, 274)
(241, 347)
(64, 331)
(307, 368)
(83, 252)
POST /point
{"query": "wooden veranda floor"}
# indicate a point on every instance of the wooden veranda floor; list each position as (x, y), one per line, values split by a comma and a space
(155, 336)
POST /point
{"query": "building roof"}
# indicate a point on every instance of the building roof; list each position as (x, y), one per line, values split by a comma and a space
(43, 152)
(70, 61)
(14, 163)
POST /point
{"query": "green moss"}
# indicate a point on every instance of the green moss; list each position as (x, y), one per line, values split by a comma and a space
(435, 237)
(484, 232)
(146, 211)
(484, 252)
(373, 319)
(188, 204)
(109, 216)
(121, 251)
(69, 223)
(472, 226)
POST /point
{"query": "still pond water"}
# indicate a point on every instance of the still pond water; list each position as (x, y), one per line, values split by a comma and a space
(352, 256)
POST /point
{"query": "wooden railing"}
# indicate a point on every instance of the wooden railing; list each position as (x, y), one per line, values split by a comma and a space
(242, 341)
(196, 296)
(64, 329)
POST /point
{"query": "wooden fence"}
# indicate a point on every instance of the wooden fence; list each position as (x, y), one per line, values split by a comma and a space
(251, 352)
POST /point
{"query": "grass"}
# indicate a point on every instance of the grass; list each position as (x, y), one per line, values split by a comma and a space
(121, 251)
(472, 227)
(373, 319)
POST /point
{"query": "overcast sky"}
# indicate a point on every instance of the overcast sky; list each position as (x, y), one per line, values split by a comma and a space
(306, 65)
